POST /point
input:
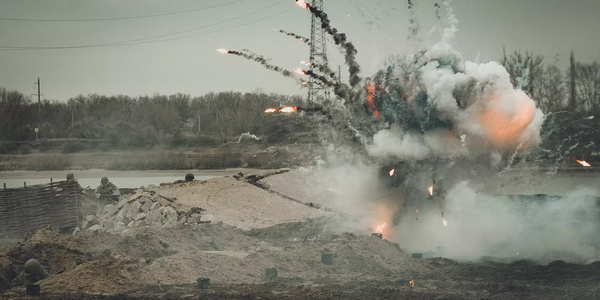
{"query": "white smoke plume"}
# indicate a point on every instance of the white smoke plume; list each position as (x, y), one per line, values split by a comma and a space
(479, 225)
(477, 99)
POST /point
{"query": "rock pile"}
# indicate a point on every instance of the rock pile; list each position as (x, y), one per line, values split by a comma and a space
(142, 208)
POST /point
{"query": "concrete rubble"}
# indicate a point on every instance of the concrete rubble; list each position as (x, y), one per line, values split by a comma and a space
(140, 209)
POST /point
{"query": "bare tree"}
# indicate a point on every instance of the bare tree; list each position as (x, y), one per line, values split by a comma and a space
(550, 90)
(525, 70)
(588, 86)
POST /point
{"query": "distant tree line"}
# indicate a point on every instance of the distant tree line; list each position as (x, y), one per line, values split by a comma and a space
(139, 121)
(162, 119)
(577, 90)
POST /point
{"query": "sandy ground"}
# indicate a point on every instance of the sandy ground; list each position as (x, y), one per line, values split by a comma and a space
(279, 224)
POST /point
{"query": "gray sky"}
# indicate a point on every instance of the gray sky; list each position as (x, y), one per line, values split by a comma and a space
(170, 45)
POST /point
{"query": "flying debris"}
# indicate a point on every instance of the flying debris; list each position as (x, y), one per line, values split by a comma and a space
(222, 50)
(582, 162)
(392, 172)
(300, 71)
(303, 4)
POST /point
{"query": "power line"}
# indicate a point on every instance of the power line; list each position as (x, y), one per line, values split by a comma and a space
(148, 40)
(119, 18)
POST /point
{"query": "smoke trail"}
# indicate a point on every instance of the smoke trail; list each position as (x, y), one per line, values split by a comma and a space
(450, 30)
(262, 61)
(296, 36)
(413, 24)
(437, 11)
(340, 40)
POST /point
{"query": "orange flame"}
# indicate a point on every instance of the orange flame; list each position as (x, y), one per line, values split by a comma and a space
(302, 4)
(300, 71)
(288, 109)
(304, 82)
(223, 50)
(444, 221)
(270, 110)
(371, 100)
(380, 228)
(430, 190)
(305, 63)
(392, 172)
(412, 283)
(582, 162)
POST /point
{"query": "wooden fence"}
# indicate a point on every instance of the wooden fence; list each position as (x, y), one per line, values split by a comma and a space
(29, 208)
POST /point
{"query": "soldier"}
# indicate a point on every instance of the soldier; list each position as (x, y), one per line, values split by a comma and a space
(32, 273)
(106, 192)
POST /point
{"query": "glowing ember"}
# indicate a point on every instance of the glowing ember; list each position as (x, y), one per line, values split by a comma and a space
(302, 4)
(517, 253)
(417, 211)
(288, 109)
(379, 228)
(300, 71)
(304, 82)
(305, 63)
(392, 172)
(582, 162)
(223, 50)
(412, 283)
(270, 110)
(430, 190)
(444, 221)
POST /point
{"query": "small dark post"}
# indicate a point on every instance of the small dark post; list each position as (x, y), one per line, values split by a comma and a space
(202, 282)
(271, 273)
(5, 185)
(24, 184)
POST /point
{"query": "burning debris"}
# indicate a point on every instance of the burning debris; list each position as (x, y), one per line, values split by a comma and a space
(582, 162)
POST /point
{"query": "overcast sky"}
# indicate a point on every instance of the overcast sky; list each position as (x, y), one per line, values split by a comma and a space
(142, 47)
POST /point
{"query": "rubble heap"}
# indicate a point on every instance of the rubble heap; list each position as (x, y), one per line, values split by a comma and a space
(139, 209)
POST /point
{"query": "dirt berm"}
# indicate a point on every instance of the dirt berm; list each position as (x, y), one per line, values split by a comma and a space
(252, 229)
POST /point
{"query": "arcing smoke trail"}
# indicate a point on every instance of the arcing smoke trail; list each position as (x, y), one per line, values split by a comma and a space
(262, 61)
(296, 36)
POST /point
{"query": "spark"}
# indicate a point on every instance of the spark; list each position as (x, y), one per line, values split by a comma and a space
(223, 50)
(392, 172)
(430, 190)
(444, 221)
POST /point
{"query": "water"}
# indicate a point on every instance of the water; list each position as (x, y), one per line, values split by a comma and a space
(122, 179)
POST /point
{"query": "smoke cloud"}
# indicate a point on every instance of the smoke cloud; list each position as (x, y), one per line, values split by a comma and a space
(538, 228)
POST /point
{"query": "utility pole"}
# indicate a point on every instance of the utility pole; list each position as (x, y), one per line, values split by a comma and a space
(39, 120)
(318, 56)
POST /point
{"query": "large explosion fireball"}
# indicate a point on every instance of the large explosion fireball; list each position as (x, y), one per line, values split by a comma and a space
(423, 132)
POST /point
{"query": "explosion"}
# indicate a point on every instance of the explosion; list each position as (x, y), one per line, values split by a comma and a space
(429, 116)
